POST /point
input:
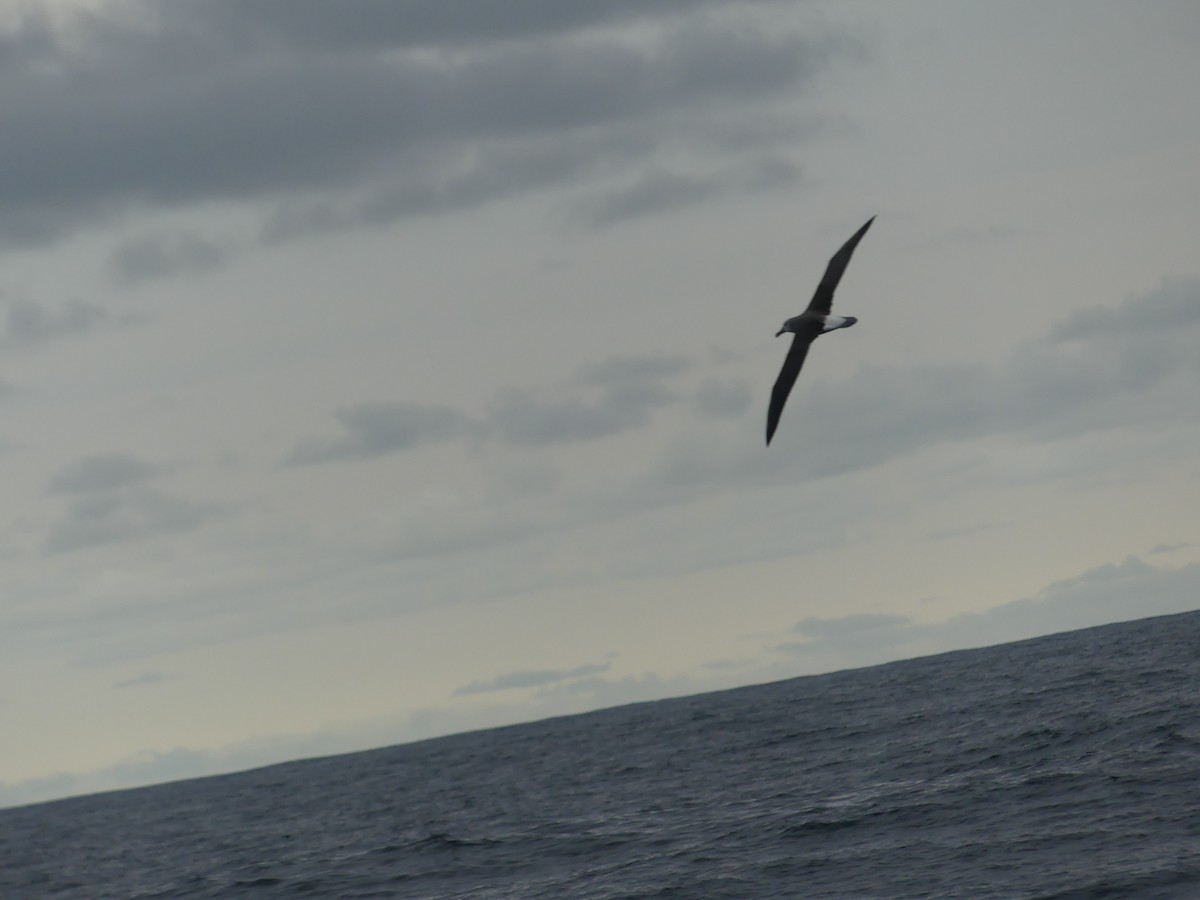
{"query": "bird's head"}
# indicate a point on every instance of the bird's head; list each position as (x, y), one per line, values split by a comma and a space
(789, 325)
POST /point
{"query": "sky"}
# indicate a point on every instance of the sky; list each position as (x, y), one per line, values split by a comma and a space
(380, 370)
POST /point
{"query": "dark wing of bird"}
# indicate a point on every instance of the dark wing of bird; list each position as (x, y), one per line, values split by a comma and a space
(787, 375)
(823, 299)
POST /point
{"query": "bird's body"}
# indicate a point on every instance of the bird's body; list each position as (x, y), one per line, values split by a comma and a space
(809, 325)
(828, 323)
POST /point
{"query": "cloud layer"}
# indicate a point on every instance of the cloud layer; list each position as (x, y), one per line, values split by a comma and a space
(604, 399)
(531, 679)
(1130, 368)
(381, 111)
(111, 501)
(1109, 593)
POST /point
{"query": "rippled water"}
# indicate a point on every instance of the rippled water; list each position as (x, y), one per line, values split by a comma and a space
(1066, 766)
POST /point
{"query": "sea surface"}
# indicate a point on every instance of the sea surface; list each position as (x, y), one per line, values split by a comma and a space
(1064, 766)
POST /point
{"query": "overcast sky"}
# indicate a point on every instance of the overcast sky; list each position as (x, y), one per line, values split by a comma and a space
(378, 370)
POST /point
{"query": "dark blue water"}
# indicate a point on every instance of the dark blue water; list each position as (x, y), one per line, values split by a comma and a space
(1066, 766)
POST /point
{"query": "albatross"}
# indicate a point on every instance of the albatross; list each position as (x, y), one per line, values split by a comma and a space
(809, 325)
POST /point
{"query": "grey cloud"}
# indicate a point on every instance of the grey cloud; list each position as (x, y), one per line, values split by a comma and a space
(165, 255)
(719, 355)
(164, 105)
(415, 23)
(618, 394)
(1131, 589)
(1170, 548)
(34, 790)
(101, 472)
(1176, 304)
(849, 640)
(534, 678)
(150, 767)
(724, 664)
(438, 536)
(136, 512)
(945, 534)
(723, 399)
(528, 478)
(973, 234)
(764, 175)
(449, 179)
(626, 390)
(145, 768)
(652, 192)
(143, 679)
(617, 370)
(28, 323)
(854, 625)
(754, 134)
(377, 429)
(658, 191)
(521, 417)
(1104, 378)
(1111, 593)
(1131, 567)
(595, 692)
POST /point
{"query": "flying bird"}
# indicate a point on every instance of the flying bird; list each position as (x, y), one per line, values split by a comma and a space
(809, 325)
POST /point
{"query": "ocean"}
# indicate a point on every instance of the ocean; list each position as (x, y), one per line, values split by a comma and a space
(1065, 766)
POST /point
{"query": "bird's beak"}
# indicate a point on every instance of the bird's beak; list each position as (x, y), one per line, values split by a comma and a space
(779, 332)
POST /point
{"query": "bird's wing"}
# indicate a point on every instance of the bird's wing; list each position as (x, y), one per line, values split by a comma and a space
(823, 299)
(787, 375)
